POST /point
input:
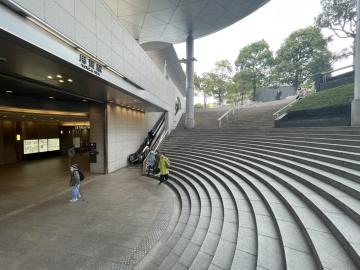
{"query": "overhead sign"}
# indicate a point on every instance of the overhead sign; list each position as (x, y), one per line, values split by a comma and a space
(90, 65)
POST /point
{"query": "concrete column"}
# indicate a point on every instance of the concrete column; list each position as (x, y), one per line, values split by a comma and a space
(97, 118)
(189, 117)
(355, 106)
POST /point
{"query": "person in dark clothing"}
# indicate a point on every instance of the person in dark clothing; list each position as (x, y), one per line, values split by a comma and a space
(75, 183)
(150, 137)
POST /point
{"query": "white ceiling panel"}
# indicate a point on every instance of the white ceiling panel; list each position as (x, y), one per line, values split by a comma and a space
(172, 20)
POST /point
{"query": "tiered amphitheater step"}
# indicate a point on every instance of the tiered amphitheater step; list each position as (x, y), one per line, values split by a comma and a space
(279, 199)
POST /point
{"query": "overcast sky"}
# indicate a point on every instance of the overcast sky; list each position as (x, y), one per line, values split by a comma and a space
(273, 22)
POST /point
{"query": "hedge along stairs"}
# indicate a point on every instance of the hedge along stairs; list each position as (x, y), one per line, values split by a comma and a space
(266, 198)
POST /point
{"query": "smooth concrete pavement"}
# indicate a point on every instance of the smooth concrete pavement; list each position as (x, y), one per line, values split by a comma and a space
(122, 215)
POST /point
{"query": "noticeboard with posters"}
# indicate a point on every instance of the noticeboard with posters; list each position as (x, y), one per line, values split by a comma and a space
(43, 145)
(53, 144)
(31, 146)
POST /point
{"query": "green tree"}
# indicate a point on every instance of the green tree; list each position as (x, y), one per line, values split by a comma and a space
(218, 81)
(201, 88)
(255, 61)
(339, 16)
(303, 54)
(241, 87)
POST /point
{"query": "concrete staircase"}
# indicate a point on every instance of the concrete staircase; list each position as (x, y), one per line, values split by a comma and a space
(263, 199)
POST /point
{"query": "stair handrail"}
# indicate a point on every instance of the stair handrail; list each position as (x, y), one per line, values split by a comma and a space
(226, 114)
(284, 110)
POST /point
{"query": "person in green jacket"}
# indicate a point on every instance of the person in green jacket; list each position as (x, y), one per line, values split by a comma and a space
(164, 166)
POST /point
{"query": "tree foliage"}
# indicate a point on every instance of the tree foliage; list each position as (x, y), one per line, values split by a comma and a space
(303, 54)
(219, 80)
(339, 16)
(201, 88)
(241, 87)
(254, 62)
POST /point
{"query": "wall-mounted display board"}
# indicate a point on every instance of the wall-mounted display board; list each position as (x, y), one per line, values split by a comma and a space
(31, 146)
(76, 142)
(54, 144)
(43, 145)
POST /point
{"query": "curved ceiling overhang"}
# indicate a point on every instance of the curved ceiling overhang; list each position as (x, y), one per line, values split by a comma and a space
(171, 20)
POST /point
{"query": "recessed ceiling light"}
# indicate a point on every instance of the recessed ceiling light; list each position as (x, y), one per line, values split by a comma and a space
(4, 116)
(61, 81)
(84, 100)
(9, 91)
(51, 118)
(51, 97)
(69, 80)
(50, 77)
(58, 76)
(23, 116)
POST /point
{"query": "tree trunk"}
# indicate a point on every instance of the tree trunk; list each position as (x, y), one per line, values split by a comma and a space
(254, 91)
(220, 99)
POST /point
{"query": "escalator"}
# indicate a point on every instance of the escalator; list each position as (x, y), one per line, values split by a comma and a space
(153, 139)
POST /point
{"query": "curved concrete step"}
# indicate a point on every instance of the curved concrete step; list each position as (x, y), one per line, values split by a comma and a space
(264, 199)
(197, 238)
(270, 235)
(349, 222)
(229, 223)
(339, 157)
(182, 239)
(160, 253)
(266, 227)
(347, 180)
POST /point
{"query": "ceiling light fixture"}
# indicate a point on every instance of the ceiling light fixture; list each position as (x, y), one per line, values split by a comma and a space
(51, 97)
(70, 80)
(23, 116)
(84, 100)
(50, 77)
(61, 81)
(9, 91)
(58, 76)
(4, 116)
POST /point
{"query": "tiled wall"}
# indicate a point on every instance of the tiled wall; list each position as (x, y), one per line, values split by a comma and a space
(92, 24)
(126, 131)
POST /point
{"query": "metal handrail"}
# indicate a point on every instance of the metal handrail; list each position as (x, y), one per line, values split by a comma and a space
(338, 69)
(234, 108)
(226, 114)
(284, 109)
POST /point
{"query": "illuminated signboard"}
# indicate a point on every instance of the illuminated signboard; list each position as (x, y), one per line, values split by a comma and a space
(31, 146)
(76, 142)
(54, 144)
(43, 145)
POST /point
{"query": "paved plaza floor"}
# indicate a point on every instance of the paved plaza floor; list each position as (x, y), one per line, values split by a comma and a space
(41, 229)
